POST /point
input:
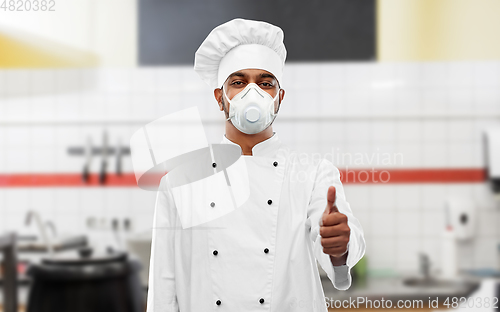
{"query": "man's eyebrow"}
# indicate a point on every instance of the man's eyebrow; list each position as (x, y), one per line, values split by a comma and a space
(238, 74)
(265, 75)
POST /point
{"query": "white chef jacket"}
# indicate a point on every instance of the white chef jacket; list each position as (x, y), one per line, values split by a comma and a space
(261, 256)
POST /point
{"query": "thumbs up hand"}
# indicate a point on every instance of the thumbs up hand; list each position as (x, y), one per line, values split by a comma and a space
(334, 230)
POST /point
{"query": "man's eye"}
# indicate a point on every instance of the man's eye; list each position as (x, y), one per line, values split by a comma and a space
(237, 83)
(267, 84)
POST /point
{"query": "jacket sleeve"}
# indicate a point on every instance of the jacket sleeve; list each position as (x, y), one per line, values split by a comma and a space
(328, 175)
(162, 291)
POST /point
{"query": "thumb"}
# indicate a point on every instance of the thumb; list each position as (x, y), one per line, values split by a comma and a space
(331, 200)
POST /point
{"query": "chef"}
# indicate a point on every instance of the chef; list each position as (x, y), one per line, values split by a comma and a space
(261, 256)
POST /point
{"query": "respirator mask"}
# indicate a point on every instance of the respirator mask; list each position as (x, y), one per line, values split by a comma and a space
(251, 110)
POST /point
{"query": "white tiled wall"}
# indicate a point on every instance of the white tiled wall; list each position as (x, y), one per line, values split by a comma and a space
(431, 114)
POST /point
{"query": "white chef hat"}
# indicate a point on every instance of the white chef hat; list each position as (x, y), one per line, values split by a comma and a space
(240, 44)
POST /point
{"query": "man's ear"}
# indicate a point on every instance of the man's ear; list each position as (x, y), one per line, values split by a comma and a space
(282, 95)
(218, 98)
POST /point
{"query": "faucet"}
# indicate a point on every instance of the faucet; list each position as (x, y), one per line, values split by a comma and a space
(41, 228)
(88, 160)
(104, 160)
(119, 153)
(425, 265)
(51, 225)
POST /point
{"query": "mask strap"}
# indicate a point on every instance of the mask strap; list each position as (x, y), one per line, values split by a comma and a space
(274, 99)
(277, 95)
(227, 98)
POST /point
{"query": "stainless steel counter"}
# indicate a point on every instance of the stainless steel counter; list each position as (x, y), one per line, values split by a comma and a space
(395, 288)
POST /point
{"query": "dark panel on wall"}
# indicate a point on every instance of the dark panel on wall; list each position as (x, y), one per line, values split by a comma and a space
(315, 30)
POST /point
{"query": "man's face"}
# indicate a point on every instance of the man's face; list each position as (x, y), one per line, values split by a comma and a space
(237, 81)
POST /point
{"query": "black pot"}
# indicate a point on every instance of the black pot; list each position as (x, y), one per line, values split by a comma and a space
(104, 284)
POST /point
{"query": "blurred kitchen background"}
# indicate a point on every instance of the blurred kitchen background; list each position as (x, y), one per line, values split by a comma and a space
(408, 88)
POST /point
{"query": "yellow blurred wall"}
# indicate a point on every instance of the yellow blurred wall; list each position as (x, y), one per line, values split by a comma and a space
(426, 30)
(78, 33)
(36, 53)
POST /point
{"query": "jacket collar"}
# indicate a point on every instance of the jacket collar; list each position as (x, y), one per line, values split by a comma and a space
(267, 148)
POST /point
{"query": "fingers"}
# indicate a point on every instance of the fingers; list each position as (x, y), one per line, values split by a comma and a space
(331, 198)
(333, 218)
(334, 242)
(335, 230)
(335, 239)
(336, 252)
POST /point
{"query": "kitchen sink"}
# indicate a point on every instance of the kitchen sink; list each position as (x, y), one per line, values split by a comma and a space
(33, 244)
